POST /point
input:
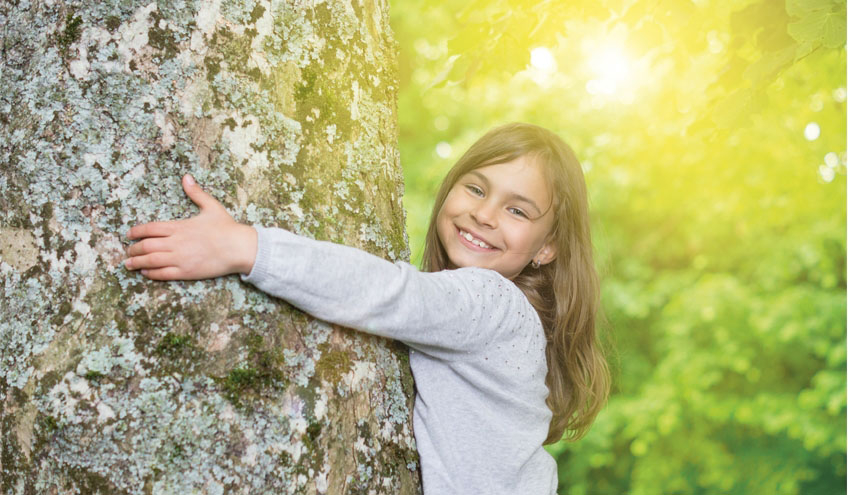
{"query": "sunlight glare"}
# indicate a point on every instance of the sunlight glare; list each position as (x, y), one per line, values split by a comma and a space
(611, 66)
(541, 59)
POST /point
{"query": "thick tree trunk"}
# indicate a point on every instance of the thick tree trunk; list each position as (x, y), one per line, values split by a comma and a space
(111, 383)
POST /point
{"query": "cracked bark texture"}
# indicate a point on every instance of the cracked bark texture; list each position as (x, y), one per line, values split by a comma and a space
(111, 383)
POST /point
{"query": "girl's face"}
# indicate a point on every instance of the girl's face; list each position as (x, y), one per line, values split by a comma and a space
(498, 217)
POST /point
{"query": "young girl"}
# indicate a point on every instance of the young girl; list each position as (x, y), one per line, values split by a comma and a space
(500, 322)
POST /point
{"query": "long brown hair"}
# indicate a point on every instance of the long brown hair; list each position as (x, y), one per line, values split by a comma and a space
(565, 292)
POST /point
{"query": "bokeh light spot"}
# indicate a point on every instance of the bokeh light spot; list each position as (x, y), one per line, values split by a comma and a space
(827, 174)
(831, 160)
(812, 131)
(542, 59)
(443, 149)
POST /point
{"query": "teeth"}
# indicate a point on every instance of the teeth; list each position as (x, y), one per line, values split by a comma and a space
(472, 240)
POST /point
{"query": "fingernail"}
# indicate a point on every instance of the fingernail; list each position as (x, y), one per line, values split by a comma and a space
(144, 272)
(128, 263)
(189, 180)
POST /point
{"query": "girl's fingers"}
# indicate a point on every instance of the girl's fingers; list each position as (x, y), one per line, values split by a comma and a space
(200, 197)
(152, 229)
(167, 273)
(147, 246)
(147, 261)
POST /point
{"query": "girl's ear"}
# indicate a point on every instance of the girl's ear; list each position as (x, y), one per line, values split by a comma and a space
(546, 254)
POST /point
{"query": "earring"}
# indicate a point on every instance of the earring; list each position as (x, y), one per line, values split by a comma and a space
(535, 264)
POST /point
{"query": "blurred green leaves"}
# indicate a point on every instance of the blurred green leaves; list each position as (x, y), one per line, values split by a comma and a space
(494, 36)
(718, 219)
(821, 21)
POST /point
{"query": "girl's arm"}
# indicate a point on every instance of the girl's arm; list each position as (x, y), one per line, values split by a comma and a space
(449, 311)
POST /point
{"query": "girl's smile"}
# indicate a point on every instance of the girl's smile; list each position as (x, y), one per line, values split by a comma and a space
(498, 217)
(474, 241)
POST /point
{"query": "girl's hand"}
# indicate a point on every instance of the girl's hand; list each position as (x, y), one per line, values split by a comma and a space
(208, 245)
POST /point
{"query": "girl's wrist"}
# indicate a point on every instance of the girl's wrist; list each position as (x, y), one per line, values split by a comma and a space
(246, 239)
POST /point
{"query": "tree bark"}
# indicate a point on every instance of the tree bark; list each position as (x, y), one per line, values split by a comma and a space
(111, 383)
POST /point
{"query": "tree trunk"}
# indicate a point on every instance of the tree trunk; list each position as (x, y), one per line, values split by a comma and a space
(111, 383)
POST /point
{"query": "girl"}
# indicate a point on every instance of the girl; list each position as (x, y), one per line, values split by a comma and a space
(500, 322)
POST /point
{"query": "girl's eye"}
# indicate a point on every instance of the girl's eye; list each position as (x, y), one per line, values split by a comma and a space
(516, 211)
(474, 189)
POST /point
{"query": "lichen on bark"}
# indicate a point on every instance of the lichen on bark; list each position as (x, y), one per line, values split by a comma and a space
(111, 383)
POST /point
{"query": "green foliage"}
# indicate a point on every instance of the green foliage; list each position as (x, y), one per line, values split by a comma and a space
(719, 227)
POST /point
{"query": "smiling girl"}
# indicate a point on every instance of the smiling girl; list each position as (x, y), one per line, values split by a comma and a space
(500, 322)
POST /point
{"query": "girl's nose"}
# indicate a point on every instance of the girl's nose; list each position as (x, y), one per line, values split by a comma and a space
(485, 214)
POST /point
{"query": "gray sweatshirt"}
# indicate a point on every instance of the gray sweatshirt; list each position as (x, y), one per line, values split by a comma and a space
(477, 353)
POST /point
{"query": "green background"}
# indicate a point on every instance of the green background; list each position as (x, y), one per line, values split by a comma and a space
(712, 136)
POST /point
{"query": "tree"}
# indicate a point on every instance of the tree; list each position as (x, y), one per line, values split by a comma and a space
(110, 383)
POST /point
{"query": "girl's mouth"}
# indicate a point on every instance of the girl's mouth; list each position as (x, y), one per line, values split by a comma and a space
(473, 243)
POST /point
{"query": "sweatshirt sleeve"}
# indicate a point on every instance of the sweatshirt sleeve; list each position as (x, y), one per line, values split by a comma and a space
(448, 311)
